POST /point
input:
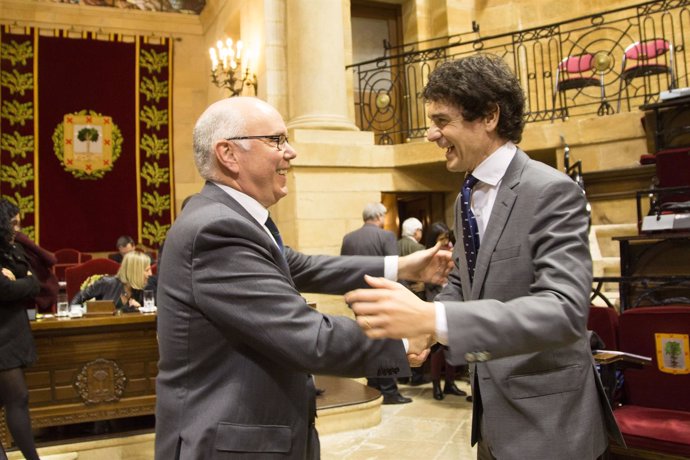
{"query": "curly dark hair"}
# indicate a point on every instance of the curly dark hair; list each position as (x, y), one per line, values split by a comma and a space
(476, 85)
(7, 212)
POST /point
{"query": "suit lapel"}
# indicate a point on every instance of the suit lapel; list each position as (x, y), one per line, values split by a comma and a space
(503, 206)
(215, 193)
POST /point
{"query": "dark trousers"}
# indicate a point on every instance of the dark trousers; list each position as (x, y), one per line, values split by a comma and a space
(386, 385)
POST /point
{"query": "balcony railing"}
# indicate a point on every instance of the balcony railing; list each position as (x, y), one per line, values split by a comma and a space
(387, 90)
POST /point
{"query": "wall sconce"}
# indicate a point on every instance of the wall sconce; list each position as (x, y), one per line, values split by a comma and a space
(230, 67)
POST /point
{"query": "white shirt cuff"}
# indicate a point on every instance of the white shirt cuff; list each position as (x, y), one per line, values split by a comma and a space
(406, 344)
(390, 268)
(441, 324)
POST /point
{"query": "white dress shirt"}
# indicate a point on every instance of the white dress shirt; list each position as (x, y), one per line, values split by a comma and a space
(490, 174)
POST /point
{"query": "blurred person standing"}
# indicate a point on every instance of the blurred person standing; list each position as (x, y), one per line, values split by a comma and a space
(372, 240)
(440, 233)
(412, 230)
(409, 242)
(17, 350)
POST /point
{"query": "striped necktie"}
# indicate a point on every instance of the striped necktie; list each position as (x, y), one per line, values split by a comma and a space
(470, 230)
(271, 226)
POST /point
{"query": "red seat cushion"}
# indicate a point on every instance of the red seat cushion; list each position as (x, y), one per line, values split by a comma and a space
(660, 430)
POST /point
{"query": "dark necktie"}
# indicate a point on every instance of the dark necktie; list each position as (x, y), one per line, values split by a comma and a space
(470, 230)
(271, 226)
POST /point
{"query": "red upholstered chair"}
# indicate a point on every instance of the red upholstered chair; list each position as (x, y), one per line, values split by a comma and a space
(604, 321)
(645, 59)
(573, 72)
(673, 170)
(75, 276)
(66, 257)
(655, 415)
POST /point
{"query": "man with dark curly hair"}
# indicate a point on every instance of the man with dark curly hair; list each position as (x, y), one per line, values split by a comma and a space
(516, 304)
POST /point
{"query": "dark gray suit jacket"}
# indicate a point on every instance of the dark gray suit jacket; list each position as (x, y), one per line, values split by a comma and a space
(522, 322)
(238, 342)
(369, 240)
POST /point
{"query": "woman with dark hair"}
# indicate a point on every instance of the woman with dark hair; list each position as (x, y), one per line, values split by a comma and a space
(17, 284)
(439, 232)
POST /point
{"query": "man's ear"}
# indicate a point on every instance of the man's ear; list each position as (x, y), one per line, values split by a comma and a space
(491, 119)
(226, 155)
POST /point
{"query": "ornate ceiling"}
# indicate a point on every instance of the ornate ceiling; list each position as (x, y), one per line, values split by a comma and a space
(173, 6)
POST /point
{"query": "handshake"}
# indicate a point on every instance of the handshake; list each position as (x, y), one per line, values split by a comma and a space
(390, 310)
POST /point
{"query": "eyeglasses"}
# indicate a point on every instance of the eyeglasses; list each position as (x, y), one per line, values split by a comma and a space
(279, 139)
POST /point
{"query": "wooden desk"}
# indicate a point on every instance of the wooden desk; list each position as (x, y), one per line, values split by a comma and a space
(91, 368)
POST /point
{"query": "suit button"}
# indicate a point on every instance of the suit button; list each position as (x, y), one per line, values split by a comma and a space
(470, 357)
(483, 356)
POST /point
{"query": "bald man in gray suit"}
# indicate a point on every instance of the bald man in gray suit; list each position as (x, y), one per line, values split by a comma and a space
(237, 340)
(519, 316)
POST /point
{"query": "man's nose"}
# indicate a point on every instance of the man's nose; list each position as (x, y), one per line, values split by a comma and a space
(288, 152)
(433, 133)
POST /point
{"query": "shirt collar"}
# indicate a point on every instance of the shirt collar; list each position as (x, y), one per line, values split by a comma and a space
(493, 168)
(253, 207)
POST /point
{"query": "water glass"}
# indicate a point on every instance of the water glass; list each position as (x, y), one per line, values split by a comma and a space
(149, 299)
(62, 306)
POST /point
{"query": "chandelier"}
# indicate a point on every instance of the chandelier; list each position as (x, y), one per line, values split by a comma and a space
(230, 67)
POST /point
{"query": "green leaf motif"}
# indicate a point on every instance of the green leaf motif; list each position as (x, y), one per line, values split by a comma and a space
(154, 232)
(17, 82)
(155, 203)
(17, 144)
(153, 61)
(17, 112)
(17, 52)
(154, 175)
(17, 175)
(154, 118)
(24, 203)
(153, 146)
(29, 231)
(154, 89)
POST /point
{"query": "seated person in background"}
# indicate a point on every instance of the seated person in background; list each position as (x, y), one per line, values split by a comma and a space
(125, 289)
(125, 244)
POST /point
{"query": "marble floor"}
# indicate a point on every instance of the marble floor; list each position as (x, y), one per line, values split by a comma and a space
(424, 429)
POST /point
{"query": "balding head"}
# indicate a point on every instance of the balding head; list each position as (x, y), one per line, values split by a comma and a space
(256, 166)
(221, 120)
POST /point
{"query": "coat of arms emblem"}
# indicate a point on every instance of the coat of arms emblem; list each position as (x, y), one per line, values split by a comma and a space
(87, 144)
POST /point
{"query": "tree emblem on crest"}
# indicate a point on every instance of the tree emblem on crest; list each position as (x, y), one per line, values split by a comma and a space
(87, 144)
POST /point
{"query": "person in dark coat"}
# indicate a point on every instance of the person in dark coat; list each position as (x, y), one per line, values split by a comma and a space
(17, 351)
(41, 262)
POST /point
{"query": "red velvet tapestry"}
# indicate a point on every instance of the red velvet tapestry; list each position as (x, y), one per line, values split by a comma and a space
(86, 139)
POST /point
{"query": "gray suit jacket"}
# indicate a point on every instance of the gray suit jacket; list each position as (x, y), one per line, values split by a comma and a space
(522, 322)
(369, 240)
(238, 342)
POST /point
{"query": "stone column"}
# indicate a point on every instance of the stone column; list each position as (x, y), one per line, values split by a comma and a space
(316, 64)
